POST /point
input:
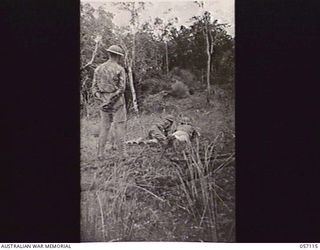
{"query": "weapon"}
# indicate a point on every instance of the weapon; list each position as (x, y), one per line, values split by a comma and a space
(108, 101)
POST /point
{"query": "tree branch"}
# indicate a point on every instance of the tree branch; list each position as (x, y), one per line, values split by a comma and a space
(212, 42)
(94, 54)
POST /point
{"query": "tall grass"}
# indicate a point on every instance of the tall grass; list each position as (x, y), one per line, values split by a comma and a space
(115, 208)
(122, 186)
(197, 183)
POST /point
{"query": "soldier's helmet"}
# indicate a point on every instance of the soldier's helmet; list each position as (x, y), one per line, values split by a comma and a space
(115, 49)
(185, 120)
(169, 118)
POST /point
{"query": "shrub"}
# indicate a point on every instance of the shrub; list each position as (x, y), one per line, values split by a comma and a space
(179, 90)
(154, 85)
(183, 75)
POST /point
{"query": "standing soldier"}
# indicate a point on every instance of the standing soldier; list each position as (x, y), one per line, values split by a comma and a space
(108, 87)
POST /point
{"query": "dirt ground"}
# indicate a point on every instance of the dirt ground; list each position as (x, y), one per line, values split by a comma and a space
(156, 196)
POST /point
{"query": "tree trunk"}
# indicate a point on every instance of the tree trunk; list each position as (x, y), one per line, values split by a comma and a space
(133, 51)
(167, 58)
(130, 66)
(202, 78)
(133, 91)
(208, 68)
(94, 53)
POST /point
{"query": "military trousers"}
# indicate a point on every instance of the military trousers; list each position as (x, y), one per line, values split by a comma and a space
(113, 129)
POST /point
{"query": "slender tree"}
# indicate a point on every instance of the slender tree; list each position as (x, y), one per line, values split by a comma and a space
(134, 8)
(209, 43)
(163, 28)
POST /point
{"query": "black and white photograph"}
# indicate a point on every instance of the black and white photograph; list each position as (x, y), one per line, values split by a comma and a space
(157, 121)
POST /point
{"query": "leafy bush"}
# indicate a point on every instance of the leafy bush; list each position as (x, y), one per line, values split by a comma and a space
(183, 75)
(154, 103)
(179, 90)
(154, 85)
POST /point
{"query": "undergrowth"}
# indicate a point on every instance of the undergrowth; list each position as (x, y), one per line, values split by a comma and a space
(157, 194)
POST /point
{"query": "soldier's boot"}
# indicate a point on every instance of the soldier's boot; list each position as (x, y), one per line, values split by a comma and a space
(101, 150)
(100, 154)
(121, 139)
(123, 148)
(103, 136)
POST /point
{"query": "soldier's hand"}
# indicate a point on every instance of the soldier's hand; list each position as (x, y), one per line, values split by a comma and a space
(98, 95)
(170, 137)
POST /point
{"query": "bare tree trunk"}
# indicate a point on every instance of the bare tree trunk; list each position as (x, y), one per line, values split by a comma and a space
(84, 97)
(202, 78)
(167, 58)
(208, 68)
(94, 53)
(129, 65)
(133, 52)
(133, 91)
(130, 62)
(211, 55)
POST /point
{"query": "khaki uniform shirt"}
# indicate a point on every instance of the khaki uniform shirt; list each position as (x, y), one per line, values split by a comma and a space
(110, 81)
(187, 128)
(158, 131)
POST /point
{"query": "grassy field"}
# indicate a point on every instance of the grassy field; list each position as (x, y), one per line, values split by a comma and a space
(152, 196)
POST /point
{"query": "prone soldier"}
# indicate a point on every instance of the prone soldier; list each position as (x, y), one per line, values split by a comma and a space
(158, 133)
(184, 134)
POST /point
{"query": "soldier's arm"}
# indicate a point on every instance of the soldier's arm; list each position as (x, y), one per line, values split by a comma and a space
(121, 86)
(156, 133)
(196, 132)
(122, 83)
(172, 129)
(96, 79)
